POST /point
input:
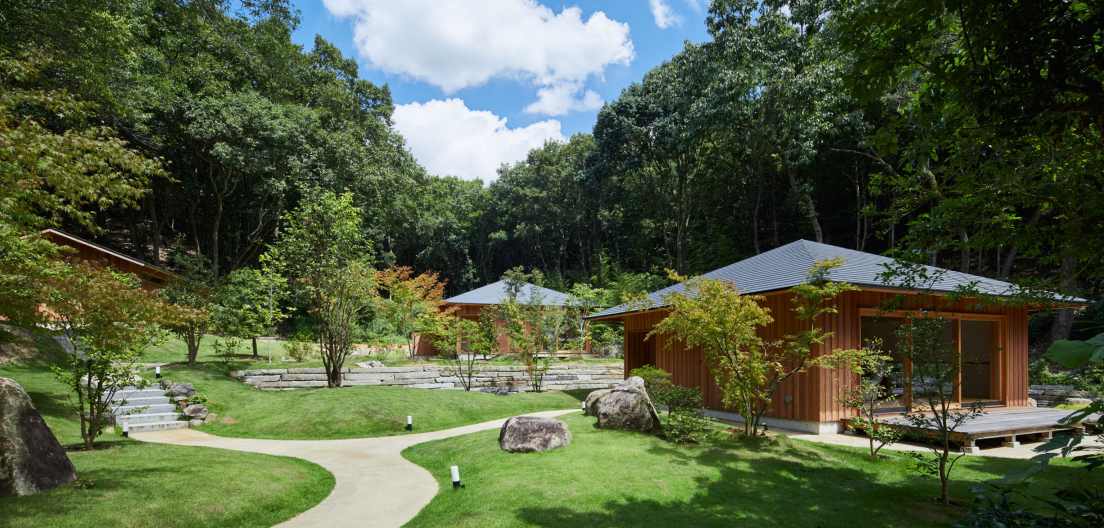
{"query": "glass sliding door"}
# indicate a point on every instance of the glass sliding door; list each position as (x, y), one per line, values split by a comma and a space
(980, 360)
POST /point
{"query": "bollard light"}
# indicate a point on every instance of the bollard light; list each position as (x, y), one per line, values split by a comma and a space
(157, 371)
(409, 423)
(456, 477)
(584, 407)
(126, 430)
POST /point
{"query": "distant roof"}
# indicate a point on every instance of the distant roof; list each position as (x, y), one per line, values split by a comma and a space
(496, 293)
(107, 250)
(784, 267)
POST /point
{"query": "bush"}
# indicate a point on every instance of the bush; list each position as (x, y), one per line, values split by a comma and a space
(685, 415)
(1090, 378)
(300, 346)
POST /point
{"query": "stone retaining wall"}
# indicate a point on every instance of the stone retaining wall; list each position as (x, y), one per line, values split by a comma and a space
(559, 377)
(1053, 395)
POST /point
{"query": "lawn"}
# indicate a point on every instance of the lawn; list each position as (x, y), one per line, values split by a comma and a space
(136, 484)
(623, 479)
(349, 412)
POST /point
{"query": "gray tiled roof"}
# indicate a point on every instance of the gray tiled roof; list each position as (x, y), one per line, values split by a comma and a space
(784, 267)
(496, 293)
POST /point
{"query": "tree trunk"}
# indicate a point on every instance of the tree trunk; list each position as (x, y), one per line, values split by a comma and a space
(255, 347)
(810, 207)
(963, 240)
(1064, 322)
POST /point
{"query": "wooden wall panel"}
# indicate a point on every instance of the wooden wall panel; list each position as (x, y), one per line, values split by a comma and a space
(814, 394)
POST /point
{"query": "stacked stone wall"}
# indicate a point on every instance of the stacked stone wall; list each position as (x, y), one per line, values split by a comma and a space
(489, 379)
(1054, 395)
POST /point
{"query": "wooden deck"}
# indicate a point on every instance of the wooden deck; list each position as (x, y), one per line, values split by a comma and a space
(1006, 423)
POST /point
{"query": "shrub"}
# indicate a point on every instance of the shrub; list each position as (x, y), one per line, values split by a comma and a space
(300, 346)
(685, 415)
(656, 382)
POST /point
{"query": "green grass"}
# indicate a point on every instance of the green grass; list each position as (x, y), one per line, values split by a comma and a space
(349, 412)
(623, 479)
(137, 484)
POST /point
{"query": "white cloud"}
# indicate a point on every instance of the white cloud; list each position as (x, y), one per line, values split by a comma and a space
(456, 44)
(450, 139)
(664, 16)
(560, 99)
(696, 5)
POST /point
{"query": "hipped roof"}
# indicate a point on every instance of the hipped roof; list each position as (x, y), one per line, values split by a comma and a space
(784, 267)
(495, 293)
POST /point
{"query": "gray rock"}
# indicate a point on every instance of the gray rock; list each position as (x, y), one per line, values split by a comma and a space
(31, 458)
(1032, 403)
(628, 408)
(526, 434)
(179, 398)
(182, 389)
(593, 399)
(502, 391)
(1078, 401)
(195, 422)
(211, 417)
(196, 412)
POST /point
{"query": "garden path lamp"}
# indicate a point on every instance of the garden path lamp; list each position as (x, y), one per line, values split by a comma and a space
(126, 430)
(409, 423)
(157, 372)
(456, 477)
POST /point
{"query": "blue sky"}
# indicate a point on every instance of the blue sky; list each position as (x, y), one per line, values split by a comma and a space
(478, 83)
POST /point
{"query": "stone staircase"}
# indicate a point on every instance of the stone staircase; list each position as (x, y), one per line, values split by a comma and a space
(145, 410)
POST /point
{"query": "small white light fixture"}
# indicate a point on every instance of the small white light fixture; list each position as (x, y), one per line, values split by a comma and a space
(409, 423)
(157, 371)
(584, 407)
(456, 477)
(126, 430)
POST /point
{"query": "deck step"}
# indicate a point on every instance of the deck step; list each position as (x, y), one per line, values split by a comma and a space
(157, 426)
(133, 419)
(143, 409)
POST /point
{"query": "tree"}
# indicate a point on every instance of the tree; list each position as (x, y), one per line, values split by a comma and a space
(931, 384)
(457, 342)
(191, 289)
(249, 303)
(713, 314)
(412, 303)
(582, 301)
(871, 368)
(528, 323)
(321, 252)
(107, 320)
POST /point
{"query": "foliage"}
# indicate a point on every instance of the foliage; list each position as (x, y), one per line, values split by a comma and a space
(529, 324)
(871, 367)
(107, 320)
(1067, 506)
(454, 343)
(931, 385)
(412, 303)
(300, 346)
(190, 289)
(248, 303)
(713, 314)
(656, 382)
(321, 253)
(582, 301)
(685, 415)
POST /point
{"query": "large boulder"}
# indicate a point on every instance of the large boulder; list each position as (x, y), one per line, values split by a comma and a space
(196, 412)
(31, 459)
(526, 434)
(628, 408)
(182, 389)
(593, 399)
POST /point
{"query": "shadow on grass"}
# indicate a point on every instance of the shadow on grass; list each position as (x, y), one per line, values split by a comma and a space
(579, 394)
(756, 482)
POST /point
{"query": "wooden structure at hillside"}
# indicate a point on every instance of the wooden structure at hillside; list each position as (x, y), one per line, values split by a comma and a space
(152, 277)
(993, 338)
(470, 306)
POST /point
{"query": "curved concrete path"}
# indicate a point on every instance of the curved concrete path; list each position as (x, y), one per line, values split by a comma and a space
(374, 485)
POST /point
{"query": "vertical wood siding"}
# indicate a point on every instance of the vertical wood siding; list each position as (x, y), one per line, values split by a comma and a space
(814, 393)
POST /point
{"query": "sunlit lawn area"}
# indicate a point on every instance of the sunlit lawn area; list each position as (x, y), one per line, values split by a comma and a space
(622, 479)
(349, 412)
(136, 484)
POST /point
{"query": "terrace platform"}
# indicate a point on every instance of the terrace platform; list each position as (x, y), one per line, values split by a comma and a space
(1007, 423)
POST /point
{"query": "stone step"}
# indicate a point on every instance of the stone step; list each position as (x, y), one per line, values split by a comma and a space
(138, 409)
(157, 426)
(159, 400)
(132, 419)
(144, 393)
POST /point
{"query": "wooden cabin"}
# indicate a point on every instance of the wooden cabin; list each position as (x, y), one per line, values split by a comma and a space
(471, 304)
(993, 339)
(152, 277)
